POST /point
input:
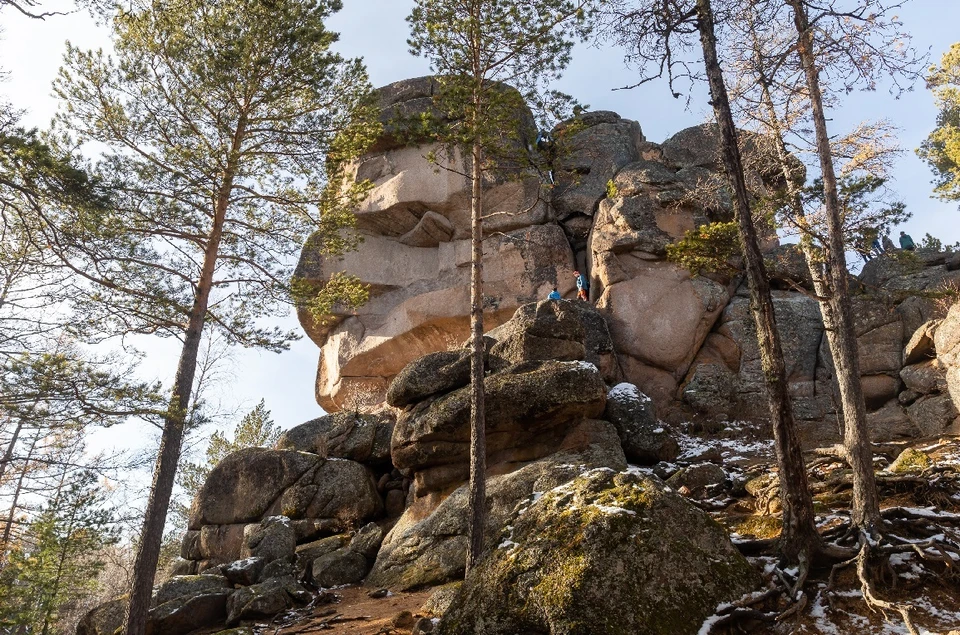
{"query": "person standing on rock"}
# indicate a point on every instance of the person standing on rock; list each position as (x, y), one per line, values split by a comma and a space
(887, 243)
(906, 242)
(554, 295)
(583, 286)
(545, 147)
(876, 247)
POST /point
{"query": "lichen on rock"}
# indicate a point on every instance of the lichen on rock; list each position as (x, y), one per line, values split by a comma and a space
(608, 553)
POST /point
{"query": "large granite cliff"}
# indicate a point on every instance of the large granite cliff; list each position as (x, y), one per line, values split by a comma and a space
(618, 200)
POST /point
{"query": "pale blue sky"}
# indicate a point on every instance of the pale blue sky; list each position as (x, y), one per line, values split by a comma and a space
(375, 29)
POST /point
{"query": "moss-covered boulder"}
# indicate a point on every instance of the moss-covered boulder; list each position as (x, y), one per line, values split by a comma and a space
(609, 553)
(910, 461)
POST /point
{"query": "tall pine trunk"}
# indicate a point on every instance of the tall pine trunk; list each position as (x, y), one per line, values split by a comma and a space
(843, 338)
(799, 540)
(478, 442)
(478, 434)
(817, 275)
(168, 458)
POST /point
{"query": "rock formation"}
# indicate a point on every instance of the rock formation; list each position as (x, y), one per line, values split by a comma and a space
(320, 509)
(687, 341)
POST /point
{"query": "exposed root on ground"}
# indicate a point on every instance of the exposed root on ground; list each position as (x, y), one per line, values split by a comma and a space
(922, 540)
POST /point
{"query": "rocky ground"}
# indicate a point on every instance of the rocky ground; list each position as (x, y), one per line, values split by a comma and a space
(923, 481)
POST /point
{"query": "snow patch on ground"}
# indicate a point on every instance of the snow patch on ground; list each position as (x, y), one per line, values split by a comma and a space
(734, 443)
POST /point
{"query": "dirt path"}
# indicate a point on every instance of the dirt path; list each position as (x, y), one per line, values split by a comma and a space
(358, 614)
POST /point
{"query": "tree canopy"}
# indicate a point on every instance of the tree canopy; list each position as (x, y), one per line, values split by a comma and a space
(941, 149)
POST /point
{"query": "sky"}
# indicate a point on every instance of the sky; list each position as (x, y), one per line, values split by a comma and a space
(31, 52)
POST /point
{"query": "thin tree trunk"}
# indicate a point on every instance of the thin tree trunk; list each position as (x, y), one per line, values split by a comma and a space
(478, 443)
(856, 436)
(8, 454)
(8, 528)
(799, 540)
(478, 435)
(820, 286)
(168, 458)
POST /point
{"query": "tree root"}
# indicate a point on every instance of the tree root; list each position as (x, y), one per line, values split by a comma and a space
(869, 594)
(740, 610)
(933, 537)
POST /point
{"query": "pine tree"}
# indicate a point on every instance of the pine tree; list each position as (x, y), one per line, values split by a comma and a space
(226, 127)
(941, 150)
(480, 51)
(870, 46)
(56, 560)
(35, 179)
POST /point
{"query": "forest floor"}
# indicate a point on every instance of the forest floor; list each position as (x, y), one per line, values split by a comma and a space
(929, 493)
(351, 610)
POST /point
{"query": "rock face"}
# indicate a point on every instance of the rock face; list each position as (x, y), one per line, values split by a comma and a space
(609, 553)
(250, 484)
(539, 389)
(346, 435)
(258, 506)
(948, 350)
(415, 253)
(616, 202)
(543, 403)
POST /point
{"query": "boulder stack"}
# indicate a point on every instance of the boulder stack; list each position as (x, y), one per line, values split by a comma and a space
(546, 398)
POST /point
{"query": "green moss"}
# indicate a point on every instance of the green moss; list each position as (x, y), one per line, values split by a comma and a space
(633, 497)
(611, 189)
(556, 590)
(762, 527)
(911, 461)
(578, 557)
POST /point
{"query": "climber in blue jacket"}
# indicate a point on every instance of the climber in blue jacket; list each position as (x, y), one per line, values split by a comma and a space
(906, 242)
(583, 286)
(554, 295)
